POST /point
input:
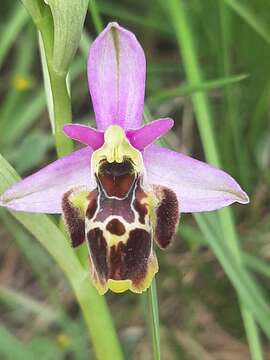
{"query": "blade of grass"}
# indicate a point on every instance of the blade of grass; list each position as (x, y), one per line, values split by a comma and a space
(203, 116)
(94, 10)
(24, 59)
(255, 263)
(93, 306)
(11, 30)
(12, 348)
(251, 18)
(185, 90)
(237, 161)
(119, 13)
(17, 299)
(246, 289)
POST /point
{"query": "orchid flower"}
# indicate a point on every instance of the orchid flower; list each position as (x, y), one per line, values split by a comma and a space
(122, 192)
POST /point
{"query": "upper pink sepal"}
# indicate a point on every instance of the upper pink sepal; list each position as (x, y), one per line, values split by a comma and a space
(85, 134)
(116, 77)
(42, 192)
(146, 135)
(198, 186)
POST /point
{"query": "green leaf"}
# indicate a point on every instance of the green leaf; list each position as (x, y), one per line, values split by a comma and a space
(68, 19)
(35, 8)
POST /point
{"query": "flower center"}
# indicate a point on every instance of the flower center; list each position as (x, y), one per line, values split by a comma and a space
(116, 149)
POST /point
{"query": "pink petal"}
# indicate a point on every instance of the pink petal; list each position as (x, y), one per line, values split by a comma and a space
(116, 76)
(85, 134)
(146, 135)
(42, 192)
(198, 186)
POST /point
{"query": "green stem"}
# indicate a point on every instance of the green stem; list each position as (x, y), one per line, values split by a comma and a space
(62, 112)
(204, 120)
(57, 84)
(152, 302)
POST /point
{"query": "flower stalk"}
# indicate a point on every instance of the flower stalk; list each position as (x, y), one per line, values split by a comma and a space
(58, 98)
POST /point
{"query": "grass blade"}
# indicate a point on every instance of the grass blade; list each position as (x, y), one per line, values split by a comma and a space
(185, 90)
(203, 115)
(11, 30)
(250, 17)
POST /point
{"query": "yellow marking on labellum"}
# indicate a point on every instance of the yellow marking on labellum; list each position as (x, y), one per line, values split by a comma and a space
(116, 148)
(119, 286)
(152, 269)
(79, 200)
(115, 239)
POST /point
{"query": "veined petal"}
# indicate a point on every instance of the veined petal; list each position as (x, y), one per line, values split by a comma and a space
(42, 192)
(198, 186)
(85, 134)
(116, 76)
(146, 135)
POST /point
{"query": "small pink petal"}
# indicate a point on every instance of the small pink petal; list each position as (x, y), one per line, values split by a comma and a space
(198, 186)
(116, 76)
(42, 192)
(85, 134)
(146, 135)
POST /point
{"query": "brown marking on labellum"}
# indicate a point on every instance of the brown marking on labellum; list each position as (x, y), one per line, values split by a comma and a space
(74, 220)
(139, 206)
(117, 262)
(129, 261)
(167, 213)
(115, 227)
(92, 205)
(116, 178)
(118, 207)
(98, 249)
(138, 249)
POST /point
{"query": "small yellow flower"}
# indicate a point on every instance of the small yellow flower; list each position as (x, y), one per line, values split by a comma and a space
(63, 340)
(22, 83)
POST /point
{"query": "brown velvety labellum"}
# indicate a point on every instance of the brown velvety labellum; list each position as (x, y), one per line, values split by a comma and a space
(98, 248)
(92, 205)
(167, 214)
(129, 261)
(74, 220)
(139, 206)
(116, 178)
